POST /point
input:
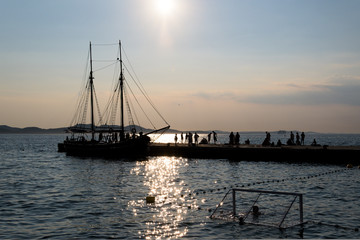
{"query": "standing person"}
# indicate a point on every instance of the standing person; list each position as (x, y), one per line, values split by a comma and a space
(190, 138)
(268, 137)
(231, 138)
(182, 138)
(297, 139)
(237, 138)
(302, 138)
(209, 137)
(196, 136)
(215, 137)
(292, 138)
(175, 139)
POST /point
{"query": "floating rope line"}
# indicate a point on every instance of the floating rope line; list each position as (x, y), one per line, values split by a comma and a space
(194, 194)
(204, 191)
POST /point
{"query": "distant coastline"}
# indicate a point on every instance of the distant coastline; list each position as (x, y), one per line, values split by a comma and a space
(5, 129)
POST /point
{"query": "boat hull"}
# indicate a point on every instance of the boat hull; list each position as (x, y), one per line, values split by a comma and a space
(133, 147)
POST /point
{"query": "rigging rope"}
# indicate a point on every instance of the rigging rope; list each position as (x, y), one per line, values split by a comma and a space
(136, 118)
(98, 108)
(139, 105)
(142, 89)
(131, 120)
(102, 68)
(85, 104)
(104, 44)
(82, 92)
(146, 96)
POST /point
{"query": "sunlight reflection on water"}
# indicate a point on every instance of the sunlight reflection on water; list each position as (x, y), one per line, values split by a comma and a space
(161, 176)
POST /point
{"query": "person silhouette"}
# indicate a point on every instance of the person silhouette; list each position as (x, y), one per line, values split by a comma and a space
(302, 138)
(176, 138)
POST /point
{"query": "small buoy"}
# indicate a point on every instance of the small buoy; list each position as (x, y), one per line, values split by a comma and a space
(150, 199)
(349, 166)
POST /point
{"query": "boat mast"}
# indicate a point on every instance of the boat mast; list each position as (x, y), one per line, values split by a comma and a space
(122, 132)
(92, 98)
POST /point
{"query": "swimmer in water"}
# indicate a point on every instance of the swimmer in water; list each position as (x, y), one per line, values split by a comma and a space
(255, 211)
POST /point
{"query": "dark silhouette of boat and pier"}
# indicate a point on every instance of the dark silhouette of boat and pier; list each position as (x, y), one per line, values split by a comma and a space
(110, 140)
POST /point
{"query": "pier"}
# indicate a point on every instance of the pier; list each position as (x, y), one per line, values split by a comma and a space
(342, 155)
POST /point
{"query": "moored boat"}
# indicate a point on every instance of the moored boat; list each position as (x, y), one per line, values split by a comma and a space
(106, 137)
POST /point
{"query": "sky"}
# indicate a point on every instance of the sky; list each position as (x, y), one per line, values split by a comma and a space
(235, 65)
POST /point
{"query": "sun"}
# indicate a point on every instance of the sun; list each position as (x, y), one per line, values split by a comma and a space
(165, 7)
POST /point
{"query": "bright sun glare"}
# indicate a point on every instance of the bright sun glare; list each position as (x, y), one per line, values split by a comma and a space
(165, 7)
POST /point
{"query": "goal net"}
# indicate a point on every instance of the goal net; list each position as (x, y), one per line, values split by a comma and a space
(270, 208)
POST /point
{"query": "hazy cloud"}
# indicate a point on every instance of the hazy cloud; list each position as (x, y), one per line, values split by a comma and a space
(336, 91)
(343, 91)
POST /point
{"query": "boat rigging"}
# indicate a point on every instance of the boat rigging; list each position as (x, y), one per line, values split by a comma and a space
(107, 137)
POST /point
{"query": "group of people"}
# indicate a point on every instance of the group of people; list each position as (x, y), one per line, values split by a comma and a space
(234, 139)
(291, 140)
(300, 140)
(189, 137)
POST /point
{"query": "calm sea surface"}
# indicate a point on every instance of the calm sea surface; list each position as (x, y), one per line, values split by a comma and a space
(46, 194)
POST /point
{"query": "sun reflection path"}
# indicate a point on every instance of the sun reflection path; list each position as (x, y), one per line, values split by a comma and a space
(163, 218)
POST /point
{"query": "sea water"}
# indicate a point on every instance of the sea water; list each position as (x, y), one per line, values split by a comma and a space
(46, 194)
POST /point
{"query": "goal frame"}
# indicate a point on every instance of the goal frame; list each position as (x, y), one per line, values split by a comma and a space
(296, 195)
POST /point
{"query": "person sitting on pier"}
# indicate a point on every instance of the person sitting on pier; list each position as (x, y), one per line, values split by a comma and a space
(314, 143)
(290, 143)
(266, 141)
(279, 144)
(247, 142)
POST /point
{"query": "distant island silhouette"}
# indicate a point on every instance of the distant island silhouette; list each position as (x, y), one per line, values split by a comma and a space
(5, 129)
